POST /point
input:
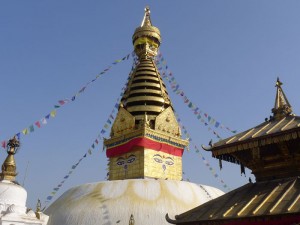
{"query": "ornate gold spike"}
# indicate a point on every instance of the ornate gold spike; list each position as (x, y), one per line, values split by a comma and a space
(146, 21)
(278, 83)
(38, 209)
(146, 38)
(282, 106)
(9, 165)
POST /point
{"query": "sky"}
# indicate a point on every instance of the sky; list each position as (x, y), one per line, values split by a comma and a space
(225, 55)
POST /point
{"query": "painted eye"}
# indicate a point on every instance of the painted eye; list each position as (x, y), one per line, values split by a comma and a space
(169, 163)
(120, 163)
(130, 160)
(158, 160)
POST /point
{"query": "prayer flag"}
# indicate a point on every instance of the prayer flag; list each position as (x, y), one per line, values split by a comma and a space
(31, 128)
(53, 113)
(25, 131)
(47, 117)
(61, 102)
(3, 144)
(37, 123)
(90, 151)
(44, 121)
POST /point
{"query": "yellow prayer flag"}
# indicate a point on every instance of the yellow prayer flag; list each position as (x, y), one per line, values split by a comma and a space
(25, 131)
(53, 113)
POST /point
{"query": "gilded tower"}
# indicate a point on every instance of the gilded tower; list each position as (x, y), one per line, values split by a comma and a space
(145, 140)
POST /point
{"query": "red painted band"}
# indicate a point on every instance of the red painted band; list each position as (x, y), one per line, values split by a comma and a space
(143, 142)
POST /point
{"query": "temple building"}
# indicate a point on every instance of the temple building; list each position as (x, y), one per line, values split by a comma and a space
(145, 151)
(272, 151)
(13, 210)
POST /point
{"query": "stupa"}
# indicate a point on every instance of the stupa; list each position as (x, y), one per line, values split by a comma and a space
(13, 210)
(145, 155)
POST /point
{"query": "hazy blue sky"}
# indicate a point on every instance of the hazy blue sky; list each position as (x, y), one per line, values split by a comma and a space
(226, 56)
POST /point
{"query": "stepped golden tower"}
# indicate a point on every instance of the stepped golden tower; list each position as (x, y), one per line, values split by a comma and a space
(145, 140)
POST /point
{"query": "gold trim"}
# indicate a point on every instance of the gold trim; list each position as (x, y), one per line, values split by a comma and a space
(260, 130)
(276, 125)
(250, 131)
(282, 197)
(288, 124)
(294, 203)
(265, 200)
(246, 206)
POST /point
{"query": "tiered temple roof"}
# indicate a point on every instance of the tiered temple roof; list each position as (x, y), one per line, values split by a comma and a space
(272, 151)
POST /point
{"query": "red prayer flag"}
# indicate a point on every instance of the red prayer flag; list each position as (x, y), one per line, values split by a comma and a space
(3, 144)
(37, 123)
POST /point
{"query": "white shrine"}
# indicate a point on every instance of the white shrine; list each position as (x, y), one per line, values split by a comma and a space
(13, 210)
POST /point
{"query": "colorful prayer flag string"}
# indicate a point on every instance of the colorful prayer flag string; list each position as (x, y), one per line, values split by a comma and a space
(204, 160)
(202, 116)
(106, 126)
(43, 121)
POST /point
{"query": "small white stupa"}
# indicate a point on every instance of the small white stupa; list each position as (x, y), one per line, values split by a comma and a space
(13, 210)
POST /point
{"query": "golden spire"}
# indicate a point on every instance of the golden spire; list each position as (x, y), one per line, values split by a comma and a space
(146, 38)
(282, 106)
(9, 166)
(146, 93)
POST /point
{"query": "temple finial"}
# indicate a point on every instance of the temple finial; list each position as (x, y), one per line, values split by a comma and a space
(9, 165)
(146, 38)
(146, 21)
(282, 106)
(278, 83)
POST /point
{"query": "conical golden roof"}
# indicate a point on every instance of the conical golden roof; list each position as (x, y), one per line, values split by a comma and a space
(282, 106)
(146, 92)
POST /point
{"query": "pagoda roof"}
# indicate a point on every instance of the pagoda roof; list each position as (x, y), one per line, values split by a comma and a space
(272, 131)
(271, 198)
(283, 125)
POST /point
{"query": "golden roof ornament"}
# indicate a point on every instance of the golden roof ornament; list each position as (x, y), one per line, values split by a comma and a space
(282, 107)
(146, 38)
(9, 165)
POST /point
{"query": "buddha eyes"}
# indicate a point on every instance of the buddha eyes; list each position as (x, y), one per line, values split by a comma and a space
(169, 163)
(158, 160)
(122, 161)
(130, 160)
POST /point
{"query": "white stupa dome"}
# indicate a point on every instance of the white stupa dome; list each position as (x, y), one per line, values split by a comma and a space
(112, 202)
(12, 194)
